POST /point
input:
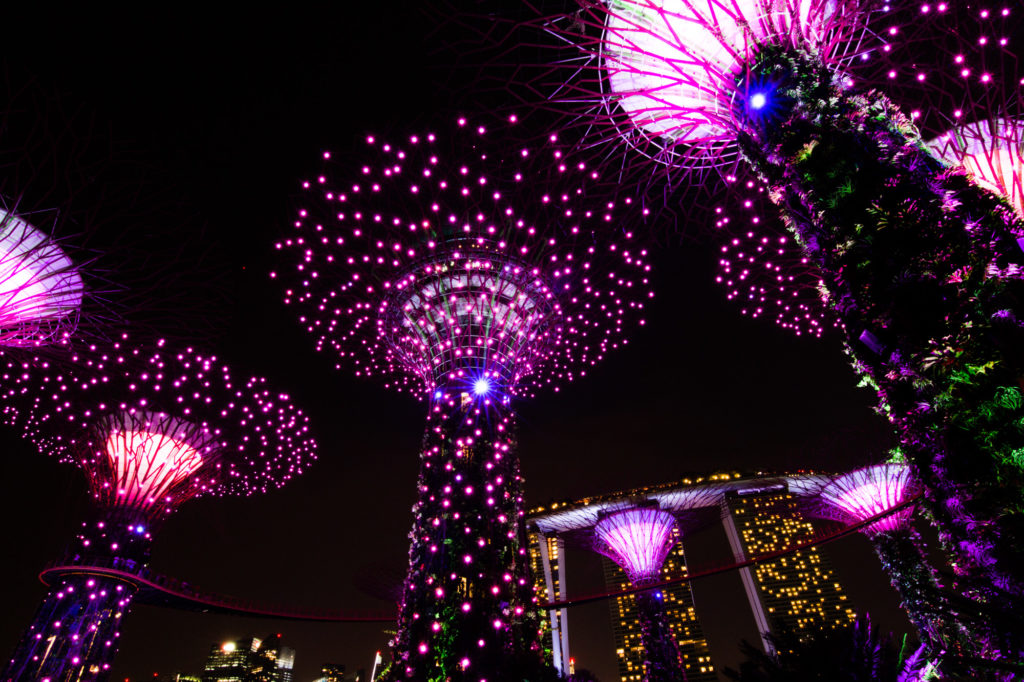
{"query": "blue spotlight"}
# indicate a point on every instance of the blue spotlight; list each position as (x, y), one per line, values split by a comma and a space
(758, 100)
(481, 386)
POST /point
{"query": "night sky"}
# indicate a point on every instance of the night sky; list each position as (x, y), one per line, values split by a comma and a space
(230, 110)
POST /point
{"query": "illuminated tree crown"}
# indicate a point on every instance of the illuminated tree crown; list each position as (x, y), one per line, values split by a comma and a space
(868, 492)
(152, 428)
(435, 264)
(638, 540)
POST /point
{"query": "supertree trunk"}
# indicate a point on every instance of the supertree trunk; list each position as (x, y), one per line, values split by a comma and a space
(662, 662)
(922, 268)
(920, 592)
(74, 635)
(467, 611)
(962, 636)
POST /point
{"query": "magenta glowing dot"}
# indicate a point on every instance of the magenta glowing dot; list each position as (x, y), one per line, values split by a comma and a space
(638, 540)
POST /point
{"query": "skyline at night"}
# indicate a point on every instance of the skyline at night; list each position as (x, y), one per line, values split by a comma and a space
(231, 112)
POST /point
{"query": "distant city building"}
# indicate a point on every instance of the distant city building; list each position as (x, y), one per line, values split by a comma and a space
(798, 590)
(250, 660)
(760, 516)
(335, 672)
(548, 568)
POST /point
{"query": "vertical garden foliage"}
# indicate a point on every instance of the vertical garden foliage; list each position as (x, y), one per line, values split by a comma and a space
(923, 269)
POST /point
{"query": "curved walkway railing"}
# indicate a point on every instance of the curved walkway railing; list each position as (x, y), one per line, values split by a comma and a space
(161, 590)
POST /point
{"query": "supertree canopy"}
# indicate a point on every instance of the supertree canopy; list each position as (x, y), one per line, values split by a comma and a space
(672, 65)
(871, 491)
(469, 274)
(638, 540)
(957, 634)
(150, 428)
(918, 261)
(40, 288)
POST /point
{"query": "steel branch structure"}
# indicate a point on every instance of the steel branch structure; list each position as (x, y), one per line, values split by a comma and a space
(150, 428)
(866, 492)
(40, 288)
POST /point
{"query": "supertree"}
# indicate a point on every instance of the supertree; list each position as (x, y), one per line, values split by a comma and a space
(891, 228)
(150, 428)
(639, 540)
(960, 637)
(868, 492)
(469, 274)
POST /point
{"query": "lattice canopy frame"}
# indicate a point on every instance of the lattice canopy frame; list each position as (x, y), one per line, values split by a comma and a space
(41, 289)
(638, 540)
(867, 492)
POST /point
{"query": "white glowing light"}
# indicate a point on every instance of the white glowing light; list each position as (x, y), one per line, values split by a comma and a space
(39, 285)
(671, 65)
(638, 540)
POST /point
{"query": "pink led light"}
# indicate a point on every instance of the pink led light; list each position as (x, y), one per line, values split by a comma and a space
(870, 491)
(762, 268)
(638, 540)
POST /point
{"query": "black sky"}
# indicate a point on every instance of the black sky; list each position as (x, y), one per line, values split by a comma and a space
(231, 108)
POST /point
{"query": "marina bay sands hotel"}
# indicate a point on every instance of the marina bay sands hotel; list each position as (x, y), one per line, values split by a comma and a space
(761, 514)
